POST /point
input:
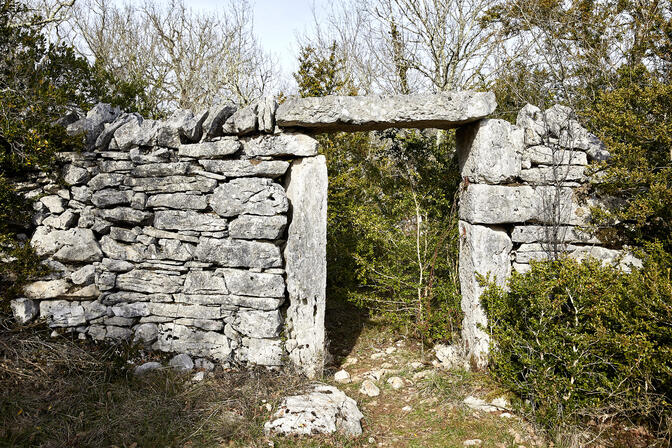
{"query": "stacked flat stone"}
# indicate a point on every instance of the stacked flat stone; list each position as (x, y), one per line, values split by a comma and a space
(171, 233)
(525, 197)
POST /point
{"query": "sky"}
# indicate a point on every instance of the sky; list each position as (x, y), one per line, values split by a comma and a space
(276, 24)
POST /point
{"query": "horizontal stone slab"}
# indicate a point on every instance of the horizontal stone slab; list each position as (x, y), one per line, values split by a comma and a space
(360, 113)
(543, 155)
(189, 220)
(286, 144)
(543, 234)
(231, 302)
(246, 168)
(250, 227)
(239, 253)
(171, 184)
(210, 150)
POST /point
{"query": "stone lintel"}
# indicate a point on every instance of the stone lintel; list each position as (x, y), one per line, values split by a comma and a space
(444, 110)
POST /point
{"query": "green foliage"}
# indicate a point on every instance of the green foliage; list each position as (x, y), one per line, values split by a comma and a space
(392, 229)
(583, 340)
(633, 119)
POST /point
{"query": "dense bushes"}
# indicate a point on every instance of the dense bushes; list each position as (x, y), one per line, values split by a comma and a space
(580, 340)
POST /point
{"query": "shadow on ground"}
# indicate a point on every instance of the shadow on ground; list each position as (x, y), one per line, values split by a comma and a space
(344, 323)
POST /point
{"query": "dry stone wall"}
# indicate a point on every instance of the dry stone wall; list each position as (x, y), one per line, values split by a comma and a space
(525, 197)
(206, 234)
(171, 233)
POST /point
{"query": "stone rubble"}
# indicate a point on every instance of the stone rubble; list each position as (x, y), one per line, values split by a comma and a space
(323, 410)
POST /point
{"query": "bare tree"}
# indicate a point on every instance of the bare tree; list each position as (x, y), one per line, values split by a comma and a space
(403, 46)
(184, 58)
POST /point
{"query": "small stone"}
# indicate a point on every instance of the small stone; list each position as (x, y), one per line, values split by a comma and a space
(182, 363)
(146, 367)
(369, 389)
(146, 333)
(350, 361)
(24, 310)
(415, 365)
(53, 203)
(377, 355)
(198, 377)
(342, 377)
(407, 409)
(395, 382)
(472, 442)
(390, 350)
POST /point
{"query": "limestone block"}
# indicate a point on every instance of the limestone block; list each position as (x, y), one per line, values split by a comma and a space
(246, 168)
(178, 338)
(239, 253)
(54, 204)
(156, 233)
(489, 151)
(210, 150)
(544, 155)
(146, 333)
(324, 410)
(203, 324)
(174, 250)
(179, 201)
(24, 310)
(266, 108)
(258, 227)
(231, 302)
(105, 180)
(253, 196)
(306, 264)
(264, 352)
(189, 220)
(122, 252)
(553, 175)
(243, 121)
(259, 324)
(494, 204)
(73, 245)
(181, 310)
(121, 234)
(149, 155)
(622, 259)
(92, 125)
(541, 251)
(110, 197)
(205, 282)
(545, 234)
(137, 132)
(63, 313)
(64, 221)
(73, 175)
(258, 284)
(285, 144)
(160, 169)
(81, 194)
(359, 113)
(130, 310)
(124, 215)
(484, 250)
(217, 115)
(107, 134)
(171, 184)
(118, 333)
(149, 282)
(530, 120)
(85, 292)
(191, 126)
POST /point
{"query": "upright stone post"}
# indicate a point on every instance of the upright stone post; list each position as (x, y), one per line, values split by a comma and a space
(489, 153)
(306, 263)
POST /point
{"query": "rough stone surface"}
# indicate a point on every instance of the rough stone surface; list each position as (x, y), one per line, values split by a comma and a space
(24, 310)
(324, 410)
(289, 144)
(251, 196)
(343, 113)
(246, 168)
(146, 368)
(306, 265)
(239, 253)
(181, 363)
(483, 250)
(188, 220)
(489, 151)
(258, 227)
(495, 204)
(210, 150)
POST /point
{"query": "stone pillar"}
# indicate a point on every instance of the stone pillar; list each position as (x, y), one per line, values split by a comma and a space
(489, 153)
(306, 264)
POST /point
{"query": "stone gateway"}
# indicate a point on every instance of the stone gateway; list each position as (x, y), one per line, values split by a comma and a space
(205, 233)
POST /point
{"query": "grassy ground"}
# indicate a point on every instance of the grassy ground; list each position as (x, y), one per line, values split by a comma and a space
(60, 392)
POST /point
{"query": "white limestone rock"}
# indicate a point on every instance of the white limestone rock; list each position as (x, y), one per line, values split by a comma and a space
(252, 196)
(553, 175)
(544, 155)
(205, 282)
(189, 220)
(266, 108)
(369, 389)
(217, 115)
(242, 122)
(263, 352)
(46, 289)
(146, 333)
(451, 356)
(258, 324)
(182, 339)
(343, 113)
(496, 204)
(545, 234)
(489, 151)
(342, 377)
(149, 282)
(258, 227)
(146, 368)
(323, 410)
(246, 168)
(54, 203)
(160, 169)
(285, 144)
(171, 184)
(73, 175)
(105, 180)
(257, 284)
(238, 253)
(210, 150)
(182, 363)
(179, 201)
(306, 264)
(111, 197)
(484, 250)
(24, 310)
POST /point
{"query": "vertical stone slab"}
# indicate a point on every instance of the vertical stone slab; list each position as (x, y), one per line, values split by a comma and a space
(483, 250)
(306, 263)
